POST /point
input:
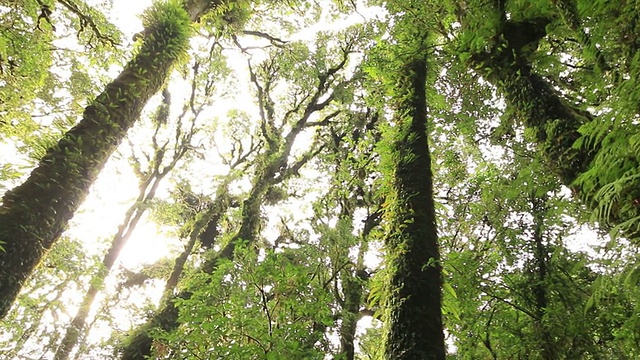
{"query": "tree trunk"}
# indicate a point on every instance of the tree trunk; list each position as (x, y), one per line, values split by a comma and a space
(353, 284)
(77, 325)
(139, 347)
(207, 221)
(554, 121)
(34, 214)
(353, 290)
(540, 281)
(415, 319)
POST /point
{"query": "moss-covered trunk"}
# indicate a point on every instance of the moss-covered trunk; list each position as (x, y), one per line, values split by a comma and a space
(534, 101)
(414, 319)
(557, 125)
(539, 279)
(34, 214)
(554, 122)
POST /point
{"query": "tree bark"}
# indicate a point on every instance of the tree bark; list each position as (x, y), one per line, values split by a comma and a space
(415, 319)
(540, 278)
(554, 121)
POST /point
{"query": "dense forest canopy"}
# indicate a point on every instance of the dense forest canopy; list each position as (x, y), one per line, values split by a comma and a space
(319, 179)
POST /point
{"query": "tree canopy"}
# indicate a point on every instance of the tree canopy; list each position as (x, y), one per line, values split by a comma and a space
(320, 179)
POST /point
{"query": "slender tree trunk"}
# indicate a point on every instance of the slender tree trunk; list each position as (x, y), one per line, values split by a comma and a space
(353, 284)
(207, 222)
(140, 345)
(166, 318)
(34, 214)
(415, 320)
(76, 326)
(353, 288)
(540, 281)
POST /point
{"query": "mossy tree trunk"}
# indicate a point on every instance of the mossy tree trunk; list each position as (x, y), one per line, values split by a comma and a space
(34, 214)
(414, 319)
(553, 120)
(540, 278)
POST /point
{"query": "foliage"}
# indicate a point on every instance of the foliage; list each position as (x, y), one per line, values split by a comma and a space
(44, 303)
(311, 130)
(267, 312)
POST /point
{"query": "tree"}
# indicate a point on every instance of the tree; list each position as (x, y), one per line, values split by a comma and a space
(34, 214)
(512, 286)
(518, 47)
(412, 243)
(519, 291)
(414, 318)
(347, 219)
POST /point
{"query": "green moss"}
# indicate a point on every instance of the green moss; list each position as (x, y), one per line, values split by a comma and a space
(167, 24)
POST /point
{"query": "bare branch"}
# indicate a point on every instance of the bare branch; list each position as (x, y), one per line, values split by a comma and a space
(273, 40)
(85, 21)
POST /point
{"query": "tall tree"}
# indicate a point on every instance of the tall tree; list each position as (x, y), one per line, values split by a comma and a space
(415, 329)
(344, 236)
(415, 320)
(34, 214)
